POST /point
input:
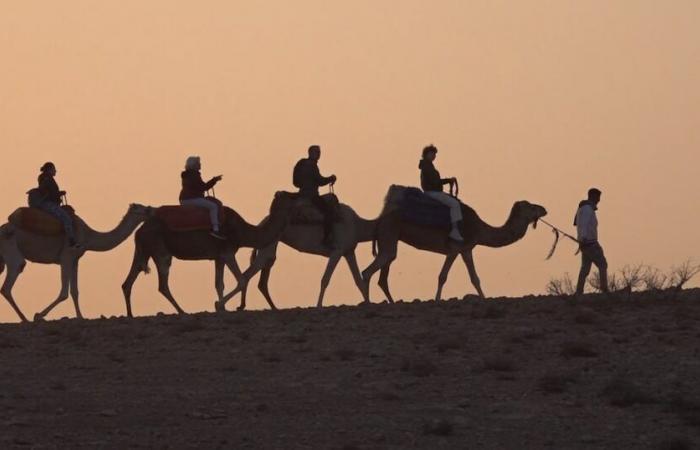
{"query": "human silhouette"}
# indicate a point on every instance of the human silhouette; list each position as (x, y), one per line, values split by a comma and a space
(194, 188)
(432, 186)
(307, 177)
(586, 223)
(49, 197)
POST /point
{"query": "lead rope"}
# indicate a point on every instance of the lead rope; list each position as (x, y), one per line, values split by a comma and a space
(557, 232)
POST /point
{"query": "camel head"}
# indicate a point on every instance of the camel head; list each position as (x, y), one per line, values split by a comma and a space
(528, 212)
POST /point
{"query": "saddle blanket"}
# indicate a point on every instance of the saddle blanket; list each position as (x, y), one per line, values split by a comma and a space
(418, 208)
(186, 218)
(37, 221)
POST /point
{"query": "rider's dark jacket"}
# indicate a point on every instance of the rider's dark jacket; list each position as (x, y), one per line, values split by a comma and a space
(308, 178)
(49, 189)
(430, 177)
(193, 186)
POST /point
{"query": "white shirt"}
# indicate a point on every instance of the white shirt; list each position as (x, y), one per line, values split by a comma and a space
(587, 224)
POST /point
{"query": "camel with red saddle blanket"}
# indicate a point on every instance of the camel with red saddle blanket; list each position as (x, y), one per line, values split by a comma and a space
(183, 232)
(413, 218)
(305, 234)
(36, 236)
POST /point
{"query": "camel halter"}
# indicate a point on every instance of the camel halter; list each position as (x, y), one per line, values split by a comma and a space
(454, 189)
(557, 232)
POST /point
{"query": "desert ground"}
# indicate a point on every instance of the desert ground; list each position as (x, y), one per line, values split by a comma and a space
(615, 372)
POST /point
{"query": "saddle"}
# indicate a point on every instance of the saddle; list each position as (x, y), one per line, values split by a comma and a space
(37, 221)
(306, 213)
(188, 218)
(418, 208)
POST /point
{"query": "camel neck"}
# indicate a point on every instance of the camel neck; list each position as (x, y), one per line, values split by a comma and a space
(261, 235)
(104, 241)
(512, 231)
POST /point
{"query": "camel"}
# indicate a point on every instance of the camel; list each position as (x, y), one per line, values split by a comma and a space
(392, 228)
(18, 246)
(349, 230)
(155, 241)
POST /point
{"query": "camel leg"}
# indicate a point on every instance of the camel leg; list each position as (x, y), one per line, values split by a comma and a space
(233, 267)
(163, 267)
(326, 279)
(356, 275)
(469, 262)
(442, 278)
(263, 284)
(384, 282)
(66, 269)
(138, 265)
(219, 278)
(13, 272)
(258, 263)
(74, 289)
(385, 257)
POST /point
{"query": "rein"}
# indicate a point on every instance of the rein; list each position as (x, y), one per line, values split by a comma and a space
(557, 232)
(454, 189)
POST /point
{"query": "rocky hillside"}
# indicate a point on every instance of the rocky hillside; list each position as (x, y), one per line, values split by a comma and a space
(616, 372)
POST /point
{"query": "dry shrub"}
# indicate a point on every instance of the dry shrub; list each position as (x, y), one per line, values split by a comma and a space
(637, 277)
(683, 273)
(561, 287)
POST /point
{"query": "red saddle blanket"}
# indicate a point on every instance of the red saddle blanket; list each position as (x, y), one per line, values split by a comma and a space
(187, 218)
(37, 221)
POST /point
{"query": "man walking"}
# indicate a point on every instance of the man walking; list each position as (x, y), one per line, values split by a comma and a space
(586, 224)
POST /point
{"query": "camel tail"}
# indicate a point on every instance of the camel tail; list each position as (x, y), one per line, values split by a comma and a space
(253, 255)
(374, 246)
(2, 264)
(146, 269)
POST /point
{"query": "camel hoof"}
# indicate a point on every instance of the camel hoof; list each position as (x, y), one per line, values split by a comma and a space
(219, 307)
(241, 308)
(38, 317)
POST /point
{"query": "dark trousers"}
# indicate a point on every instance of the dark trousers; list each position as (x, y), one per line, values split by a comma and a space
(327, 211)
(592, 253)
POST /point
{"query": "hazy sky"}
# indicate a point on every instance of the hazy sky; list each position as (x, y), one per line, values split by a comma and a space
(534, 100)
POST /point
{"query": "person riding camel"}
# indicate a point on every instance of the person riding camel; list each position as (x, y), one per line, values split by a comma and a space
(48, 197)
(194, 188)
(308, 179)
(432, 186)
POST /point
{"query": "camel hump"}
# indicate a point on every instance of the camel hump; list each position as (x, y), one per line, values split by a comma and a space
(36, 221)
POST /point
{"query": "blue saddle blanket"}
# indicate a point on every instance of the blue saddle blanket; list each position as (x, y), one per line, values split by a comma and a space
(416, 207)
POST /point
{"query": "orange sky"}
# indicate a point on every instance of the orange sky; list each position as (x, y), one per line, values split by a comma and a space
(532, 100)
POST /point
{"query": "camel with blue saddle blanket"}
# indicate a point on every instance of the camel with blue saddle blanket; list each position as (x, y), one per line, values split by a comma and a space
(412, 217)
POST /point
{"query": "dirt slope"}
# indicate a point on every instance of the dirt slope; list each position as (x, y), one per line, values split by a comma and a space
(532, 373)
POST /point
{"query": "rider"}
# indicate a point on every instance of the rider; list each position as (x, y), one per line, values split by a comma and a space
(194, 188)
(51, 198)
(432, 186)
(308, 179)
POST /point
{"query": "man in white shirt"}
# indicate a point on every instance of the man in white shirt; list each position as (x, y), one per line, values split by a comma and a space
(586, 224)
